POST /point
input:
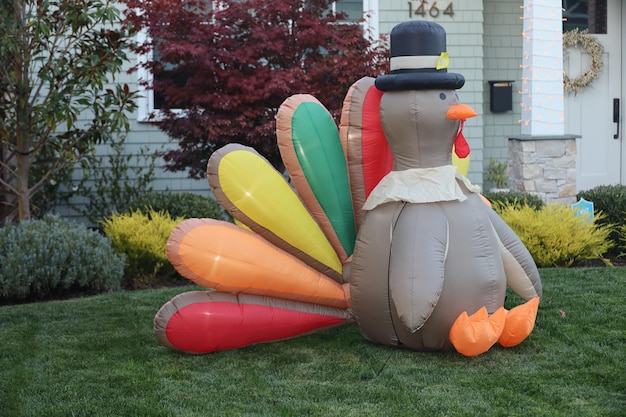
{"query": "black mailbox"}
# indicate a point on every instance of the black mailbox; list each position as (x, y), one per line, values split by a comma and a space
(501, 96)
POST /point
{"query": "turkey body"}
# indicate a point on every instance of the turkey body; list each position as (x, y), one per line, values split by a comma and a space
(418, 265)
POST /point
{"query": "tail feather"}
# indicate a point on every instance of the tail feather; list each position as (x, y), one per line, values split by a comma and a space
(257, 195)
(203, 322)
(219, 255)
(368, 154)
(309, 145)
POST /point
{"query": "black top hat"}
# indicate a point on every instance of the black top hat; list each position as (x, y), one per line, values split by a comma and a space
(419, 60)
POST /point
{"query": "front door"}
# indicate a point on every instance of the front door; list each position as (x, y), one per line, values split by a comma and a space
(589, 113)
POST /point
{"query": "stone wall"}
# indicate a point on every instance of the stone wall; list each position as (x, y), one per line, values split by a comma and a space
(544, 166)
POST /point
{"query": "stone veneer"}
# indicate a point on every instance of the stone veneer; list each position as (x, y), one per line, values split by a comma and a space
(544, 166)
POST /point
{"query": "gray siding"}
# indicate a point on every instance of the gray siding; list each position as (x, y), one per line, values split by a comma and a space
(503, 60)
(144, 135)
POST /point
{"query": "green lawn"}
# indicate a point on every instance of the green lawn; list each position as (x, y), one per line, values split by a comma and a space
(97, 356)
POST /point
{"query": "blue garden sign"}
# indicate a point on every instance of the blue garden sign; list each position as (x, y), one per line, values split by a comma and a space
(583, 208)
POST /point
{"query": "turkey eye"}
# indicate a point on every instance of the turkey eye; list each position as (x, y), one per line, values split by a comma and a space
(442, 96)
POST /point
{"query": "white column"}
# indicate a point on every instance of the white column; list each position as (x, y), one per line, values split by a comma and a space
(370, 9)
(542, 69)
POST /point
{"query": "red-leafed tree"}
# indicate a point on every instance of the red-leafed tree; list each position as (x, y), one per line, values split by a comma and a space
(230, 65)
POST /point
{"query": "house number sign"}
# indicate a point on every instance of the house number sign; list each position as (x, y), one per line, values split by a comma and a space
(424, 9)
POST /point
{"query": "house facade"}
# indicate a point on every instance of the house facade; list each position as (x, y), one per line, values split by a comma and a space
(485, 40)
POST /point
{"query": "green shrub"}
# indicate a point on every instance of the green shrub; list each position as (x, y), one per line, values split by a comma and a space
(610, 200)
(496, 173)
(554, 235)
(515, 198)
(185, 205)
(142, 238)
(620, 231)
(50, 256)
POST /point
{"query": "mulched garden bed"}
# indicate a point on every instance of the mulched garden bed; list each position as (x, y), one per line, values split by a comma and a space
(587, 263)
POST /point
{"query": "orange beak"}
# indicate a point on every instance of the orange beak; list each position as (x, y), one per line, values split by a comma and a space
(460, 112)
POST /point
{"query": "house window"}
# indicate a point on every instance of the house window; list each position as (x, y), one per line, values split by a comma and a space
(149, 103)
(584, 14)
(357, 10)
(353, 9)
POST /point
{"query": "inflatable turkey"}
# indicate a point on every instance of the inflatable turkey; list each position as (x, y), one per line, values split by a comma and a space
(380, 230)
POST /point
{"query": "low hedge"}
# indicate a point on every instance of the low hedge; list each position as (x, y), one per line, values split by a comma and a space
(51, 256)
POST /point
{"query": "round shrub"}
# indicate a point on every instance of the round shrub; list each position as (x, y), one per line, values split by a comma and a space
(142, 238)
(185, 205)
(554, 236)
(50, 256)
(610, 200)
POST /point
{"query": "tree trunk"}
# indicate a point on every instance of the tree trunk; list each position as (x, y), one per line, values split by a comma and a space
(22, 113)
(8, 199)
(23, 192)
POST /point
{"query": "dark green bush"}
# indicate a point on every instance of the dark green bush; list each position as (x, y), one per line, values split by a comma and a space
(610, 200)
(514, 198)
(186, 205)
(51, 256)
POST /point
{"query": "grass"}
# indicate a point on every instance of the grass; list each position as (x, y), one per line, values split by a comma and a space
(97, 356)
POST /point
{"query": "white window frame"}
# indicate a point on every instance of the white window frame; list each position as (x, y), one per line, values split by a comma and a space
(146, 113)
(145, 99)
(370, 25)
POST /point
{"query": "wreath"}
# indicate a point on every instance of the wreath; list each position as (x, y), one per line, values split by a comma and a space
(591, 45)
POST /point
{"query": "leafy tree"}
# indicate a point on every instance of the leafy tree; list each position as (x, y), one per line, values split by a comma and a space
(231, 66)
(57, 58)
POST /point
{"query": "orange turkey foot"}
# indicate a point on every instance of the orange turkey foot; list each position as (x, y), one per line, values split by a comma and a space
(520, 321)
(475, 334)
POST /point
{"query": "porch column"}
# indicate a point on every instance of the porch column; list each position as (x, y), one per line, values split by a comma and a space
(542, 160)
